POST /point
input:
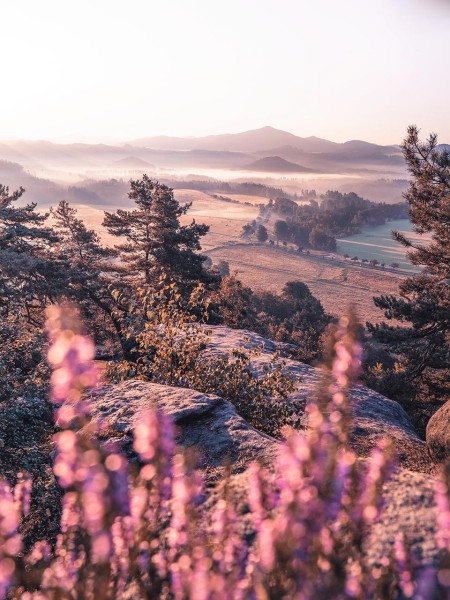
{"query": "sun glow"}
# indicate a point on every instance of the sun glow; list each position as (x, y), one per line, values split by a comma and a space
(95, 71)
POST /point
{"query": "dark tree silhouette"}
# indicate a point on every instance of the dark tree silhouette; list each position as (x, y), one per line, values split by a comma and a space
(422, 344)
(261, 234)
(321, 240)
(31, 274)
(295, 316)
(281, 230)
(92, 274)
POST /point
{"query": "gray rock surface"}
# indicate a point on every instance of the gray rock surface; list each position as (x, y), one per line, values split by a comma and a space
(211, 423)
(374, 415)
(204, 421)
(409, 509)
(438, 434)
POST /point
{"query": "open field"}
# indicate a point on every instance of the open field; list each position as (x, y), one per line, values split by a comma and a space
(224, 218)
(247, 198)
(337, 285)
(377, 243)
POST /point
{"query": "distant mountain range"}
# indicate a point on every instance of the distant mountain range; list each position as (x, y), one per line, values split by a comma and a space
(248, 141)
(228, 151)
(256, 140)
(45, 168)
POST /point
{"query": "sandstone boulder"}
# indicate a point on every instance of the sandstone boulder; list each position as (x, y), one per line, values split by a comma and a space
(438, 434)
(409, 509)
(223, 437)
(203, 421)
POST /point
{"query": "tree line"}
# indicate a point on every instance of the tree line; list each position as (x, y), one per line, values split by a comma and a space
(317, 224)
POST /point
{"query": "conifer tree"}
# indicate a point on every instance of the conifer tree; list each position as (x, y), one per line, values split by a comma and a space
(78, 243)
(422, 343)
(155, 243)
(30, 273)
(92, 275)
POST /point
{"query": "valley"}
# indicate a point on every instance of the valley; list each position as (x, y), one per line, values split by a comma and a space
(221, 176)
(336, 281)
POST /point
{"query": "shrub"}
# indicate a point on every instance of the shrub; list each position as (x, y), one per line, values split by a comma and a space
(171, 348)
(261, 234)
(222, 267)
(294, 316)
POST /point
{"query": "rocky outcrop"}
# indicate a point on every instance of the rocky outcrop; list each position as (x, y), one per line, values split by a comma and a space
(438, 434)
(408, 509)
(225, 440)
(374, 415)
(211, 424)
(203, 421)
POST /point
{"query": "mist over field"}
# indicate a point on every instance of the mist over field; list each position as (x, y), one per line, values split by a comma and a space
(275, 158)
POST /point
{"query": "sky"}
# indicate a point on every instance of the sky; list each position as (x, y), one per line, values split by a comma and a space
(117, 70)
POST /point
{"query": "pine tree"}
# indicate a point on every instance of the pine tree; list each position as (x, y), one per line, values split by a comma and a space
(156, 243)
(91, 273)
(30, 272)
(421, 344)
(78, 243)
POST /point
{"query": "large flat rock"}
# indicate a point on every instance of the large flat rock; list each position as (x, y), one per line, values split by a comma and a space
(409, 509)
(408, 497)
(374, 415)
(224, 438)
(206, 422)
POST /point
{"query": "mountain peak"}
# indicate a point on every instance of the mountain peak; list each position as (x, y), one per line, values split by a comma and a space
(253, 140)
(270, 128)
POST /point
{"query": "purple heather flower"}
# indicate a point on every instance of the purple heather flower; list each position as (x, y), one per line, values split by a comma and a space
(405, 575)
(442, 499)
(71, 355)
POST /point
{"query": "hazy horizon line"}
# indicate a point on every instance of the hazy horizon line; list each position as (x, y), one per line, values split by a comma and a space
(110, 140)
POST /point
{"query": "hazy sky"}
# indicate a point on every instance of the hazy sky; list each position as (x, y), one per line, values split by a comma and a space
(120, 69)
